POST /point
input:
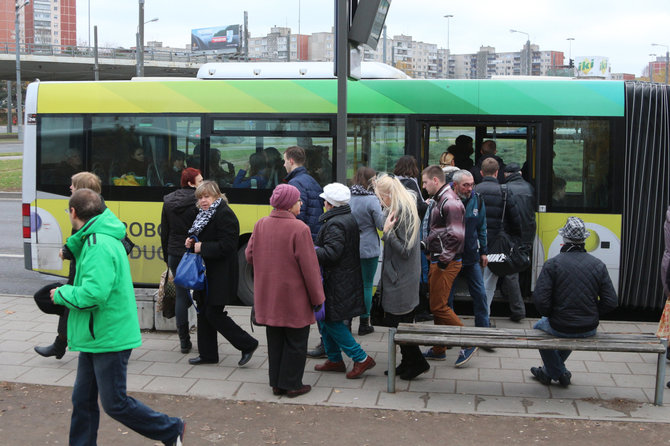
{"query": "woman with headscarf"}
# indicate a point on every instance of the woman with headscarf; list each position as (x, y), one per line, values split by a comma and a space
(401, 267)
(284, 298)
(217, 230)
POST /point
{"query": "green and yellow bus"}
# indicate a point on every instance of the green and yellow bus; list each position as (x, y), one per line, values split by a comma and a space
(604, 143)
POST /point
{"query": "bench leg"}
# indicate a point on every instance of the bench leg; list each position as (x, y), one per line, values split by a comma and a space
(660, 375)
(391, 362)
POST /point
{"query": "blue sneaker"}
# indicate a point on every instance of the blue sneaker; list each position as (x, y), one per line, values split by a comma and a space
(465, 355)
(430, 354)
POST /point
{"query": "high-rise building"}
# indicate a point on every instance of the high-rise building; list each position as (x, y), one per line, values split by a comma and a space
(51, 23)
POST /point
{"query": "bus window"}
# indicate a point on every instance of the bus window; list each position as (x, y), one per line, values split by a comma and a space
(61, 153)
(443, 137)
(581, 164)
(375, 142)
(143, 150)
(248, 154)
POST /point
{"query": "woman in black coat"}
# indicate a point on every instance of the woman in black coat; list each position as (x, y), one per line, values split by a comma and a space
(337, 248)
(218, 230)
(179, 211)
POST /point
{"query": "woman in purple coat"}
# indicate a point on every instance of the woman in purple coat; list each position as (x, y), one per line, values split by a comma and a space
(287, 288)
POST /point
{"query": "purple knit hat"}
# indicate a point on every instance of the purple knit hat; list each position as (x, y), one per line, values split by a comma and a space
(284, 197)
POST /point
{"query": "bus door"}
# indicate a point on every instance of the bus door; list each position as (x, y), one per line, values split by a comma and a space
(516, 142)
(577, 179)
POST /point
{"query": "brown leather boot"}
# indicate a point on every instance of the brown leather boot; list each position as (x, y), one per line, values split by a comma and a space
(360, 367)
(330, 366)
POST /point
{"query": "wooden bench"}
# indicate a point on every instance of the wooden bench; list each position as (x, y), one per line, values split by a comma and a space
(425, 334)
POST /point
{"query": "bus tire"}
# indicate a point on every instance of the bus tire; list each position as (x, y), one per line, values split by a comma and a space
(245, 285)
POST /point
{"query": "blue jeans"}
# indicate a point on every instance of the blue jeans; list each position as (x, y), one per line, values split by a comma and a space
(368, 269)
(337, 339)
(183, 300)
(473, 275)
(554, 360)
(105, 373)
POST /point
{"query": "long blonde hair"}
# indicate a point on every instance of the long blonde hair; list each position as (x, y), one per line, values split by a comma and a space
(403, 205)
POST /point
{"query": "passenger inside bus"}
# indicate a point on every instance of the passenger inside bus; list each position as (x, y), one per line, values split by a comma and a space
(173, 176)
(275, 170)
(253, 176)
(462, 151)
(69, 166)
(137, 163)
(216, 173)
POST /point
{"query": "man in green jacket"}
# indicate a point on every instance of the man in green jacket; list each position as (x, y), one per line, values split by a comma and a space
(103, 326)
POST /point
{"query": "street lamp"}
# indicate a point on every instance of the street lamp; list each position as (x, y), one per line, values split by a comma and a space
(529, 63)
(448, 17)
(667, 55)
(140, 45)
(19, 112)
(570, 40)
(651, 68)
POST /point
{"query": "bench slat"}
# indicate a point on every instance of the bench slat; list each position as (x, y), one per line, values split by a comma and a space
(547, 343)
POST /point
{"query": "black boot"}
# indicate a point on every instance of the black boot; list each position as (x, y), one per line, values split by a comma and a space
(364, 327)
(56, 349)
(184, 338)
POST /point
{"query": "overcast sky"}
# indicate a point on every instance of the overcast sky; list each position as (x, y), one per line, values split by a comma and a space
(622, 31)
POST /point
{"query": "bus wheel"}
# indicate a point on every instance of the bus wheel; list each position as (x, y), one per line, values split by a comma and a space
(245, 286)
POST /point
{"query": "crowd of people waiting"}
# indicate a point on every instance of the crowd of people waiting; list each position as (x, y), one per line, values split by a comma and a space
(310, 262)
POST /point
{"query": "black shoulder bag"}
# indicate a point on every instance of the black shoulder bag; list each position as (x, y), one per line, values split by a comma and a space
(504, 257)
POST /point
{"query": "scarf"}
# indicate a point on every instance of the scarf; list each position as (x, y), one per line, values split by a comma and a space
(203, 218)
(357, 189)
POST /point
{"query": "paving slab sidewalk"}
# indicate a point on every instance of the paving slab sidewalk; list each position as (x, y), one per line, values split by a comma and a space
(605, 386)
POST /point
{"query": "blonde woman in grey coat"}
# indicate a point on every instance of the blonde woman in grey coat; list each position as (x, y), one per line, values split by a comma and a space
(401, 266)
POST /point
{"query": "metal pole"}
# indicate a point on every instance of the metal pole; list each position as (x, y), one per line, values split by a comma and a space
(96, 68)
(530, 59)
(342, 64)
(89, 23)
(137, 54)
(448, 17)
(19, 99)
(384, 46)
(9, 106)
(141, 40)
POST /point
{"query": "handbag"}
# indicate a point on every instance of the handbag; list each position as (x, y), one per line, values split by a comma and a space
(504, 256)
(167, 295)
(190, 273)
(377, 313)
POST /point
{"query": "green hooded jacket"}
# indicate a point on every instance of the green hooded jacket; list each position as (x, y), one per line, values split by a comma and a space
(103, 311)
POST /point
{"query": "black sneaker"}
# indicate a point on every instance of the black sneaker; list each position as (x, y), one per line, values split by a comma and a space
(412, 372)
(540, 375)
(564, 379)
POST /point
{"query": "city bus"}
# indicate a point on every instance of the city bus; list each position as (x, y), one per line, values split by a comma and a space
(592, 148)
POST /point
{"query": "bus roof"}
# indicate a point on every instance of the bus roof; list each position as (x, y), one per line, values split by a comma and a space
(292, 70)
(409, 96)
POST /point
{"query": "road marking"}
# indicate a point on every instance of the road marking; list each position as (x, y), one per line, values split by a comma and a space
(12, 256)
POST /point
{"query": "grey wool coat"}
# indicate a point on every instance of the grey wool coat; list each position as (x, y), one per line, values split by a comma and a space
(401, 271)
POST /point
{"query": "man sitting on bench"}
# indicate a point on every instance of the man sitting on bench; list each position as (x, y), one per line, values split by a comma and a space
(574, 289)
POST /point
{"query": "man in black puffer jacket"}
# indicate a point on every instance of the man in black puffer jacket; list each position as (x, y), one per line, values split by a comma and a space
(337, 248)
(574, 289)
(492, 193)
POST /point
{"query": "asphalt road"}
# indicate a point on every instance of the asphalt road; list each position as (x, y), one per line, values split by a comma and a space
(11, 146)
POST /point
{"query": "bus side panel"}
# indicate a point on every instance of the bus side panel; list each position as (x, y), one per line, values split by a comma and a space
(604, 242)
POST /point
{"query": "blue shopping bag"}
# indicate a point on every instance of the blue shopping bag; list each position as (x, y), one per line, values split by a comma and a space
(191, 271)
